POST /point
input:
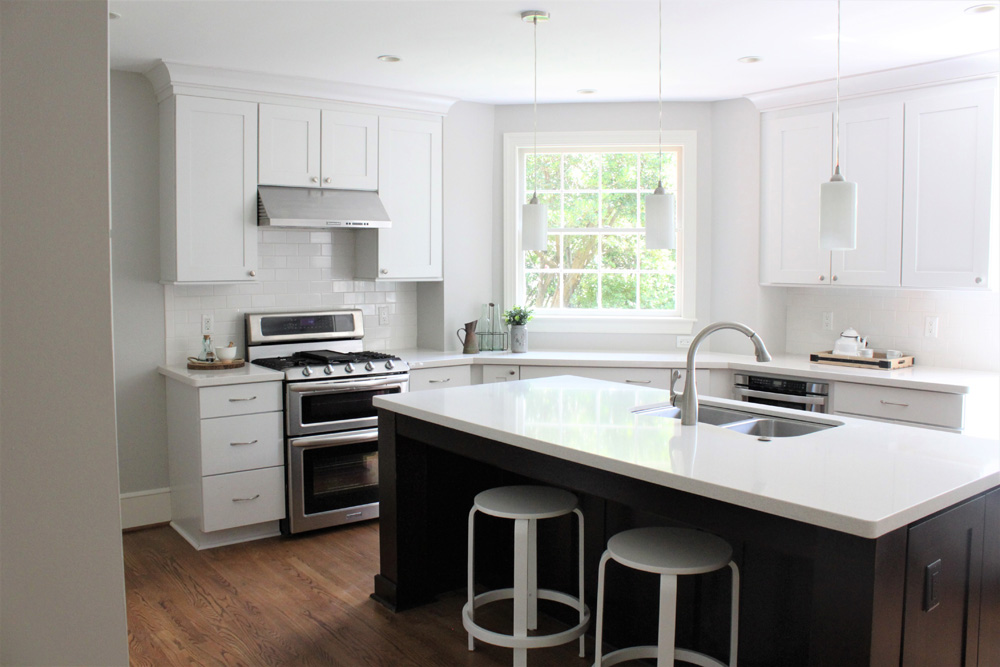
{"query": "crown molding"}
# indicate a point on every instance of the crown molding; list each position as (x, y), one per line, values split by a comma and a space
(952, 70)
(171, 78)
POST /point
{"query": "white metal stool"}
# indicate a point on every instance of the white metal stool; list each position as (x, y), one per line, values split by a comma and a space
(668, 552)
(525, 505)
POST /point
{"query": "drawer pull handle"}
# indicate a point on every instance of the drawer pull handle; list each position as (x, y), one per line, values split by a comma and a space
(236, 444)
(439, 381)
(638, 381)
(352, 515)
(237, 400)
(245, 500)
(901, 405)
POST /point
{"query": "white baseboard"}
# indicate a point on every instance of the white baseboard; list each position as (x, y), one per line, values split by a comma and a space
(144, 508)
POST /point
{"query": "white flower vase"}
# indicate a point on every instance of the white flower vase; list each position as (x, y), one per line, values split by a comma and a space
(518, 338)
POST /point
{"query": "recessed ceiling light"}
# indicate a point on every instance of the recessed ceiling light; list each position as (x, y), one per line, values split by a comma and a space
(980, 9)
(114, 15)
(749, 59)
(587, 91)
(390, 59)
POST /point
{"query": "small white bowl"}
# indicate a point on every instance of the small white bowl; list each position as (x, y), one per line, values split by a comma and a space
(225, 353)
(866, 353)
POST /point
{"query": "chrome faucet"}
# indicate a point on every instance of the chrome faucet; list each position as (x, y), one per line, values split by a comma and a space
(689, 399)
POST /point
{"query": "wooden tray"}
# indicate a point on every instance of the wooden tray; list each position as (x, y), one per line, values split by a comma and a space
(195, 364)
(878, 362)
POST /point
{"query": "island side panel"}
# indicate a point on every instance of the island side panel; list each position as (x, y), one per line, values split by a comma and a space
(989, 619)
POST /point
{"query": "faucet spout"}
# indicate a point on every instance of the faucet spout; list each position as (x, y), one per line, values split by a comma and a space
(689, 399)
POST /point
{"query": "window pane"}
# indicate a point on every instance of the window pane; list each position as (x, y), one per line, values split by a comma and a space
(541, 290)
(619, 251)
(581, 211)
(620, 210)
(656, 291)
(580, 290)
(547, 177)
(580, 171)
(580, 251)
(657, 260)
(618, 290)
(547, 259)
(619, 171)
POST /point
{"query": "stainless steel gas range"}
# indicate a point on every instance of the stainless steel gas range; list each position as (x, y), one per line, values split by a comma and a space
(331, 426)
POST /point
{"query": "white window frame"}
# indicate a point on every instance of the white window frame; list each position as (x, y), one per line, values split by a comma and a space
(681, 321)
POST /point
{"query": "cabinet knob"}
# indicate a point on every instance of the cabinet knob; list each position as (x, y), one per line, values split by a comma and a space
(328, 180)
(834, 278)
(979, 280)
(253, 274)
(384, 272)
(822, 278)
(314, 179)
(510, 372)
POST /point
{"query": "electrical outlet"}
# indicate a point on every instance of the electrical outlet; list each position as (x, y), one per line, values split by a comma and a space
(827, 321)
(931, 326)
(207, 324)
(383, 316)
(684, 341)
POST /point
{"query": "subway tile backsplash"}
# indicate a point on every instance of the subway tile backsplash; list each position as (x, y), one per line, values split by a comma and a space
(298, 270)
(968, 323)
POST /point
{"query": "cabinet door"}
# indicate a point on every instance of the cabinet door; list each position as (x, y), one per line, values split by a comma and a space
(350, 150)
(947, 190)
(797, 158)
(215, 152)
(500, 373)
(289, 146)
(871, 155)
(409, 176)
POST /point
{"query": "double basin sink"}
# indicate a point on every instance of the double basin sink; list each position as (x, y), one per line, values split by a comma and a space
(762, 426)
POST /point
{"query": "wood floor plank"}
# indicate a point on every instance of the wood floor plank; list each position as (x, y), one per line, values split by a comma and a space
(301, 600)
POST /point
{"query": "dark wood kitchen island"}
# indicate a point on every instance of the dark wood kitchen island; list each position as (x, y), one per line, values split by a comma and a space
(862, 544)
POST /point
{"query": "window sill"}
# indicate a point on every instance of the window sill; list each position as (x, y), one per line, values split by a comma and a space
(618, 325)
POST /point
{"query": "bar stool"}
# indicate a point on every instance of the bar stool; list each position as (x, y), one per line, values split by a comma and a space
(525, 505)
(669, 552)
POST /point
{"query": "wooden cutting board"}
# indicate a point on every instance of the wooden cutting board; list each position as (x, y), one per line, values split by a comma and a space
(195, 364)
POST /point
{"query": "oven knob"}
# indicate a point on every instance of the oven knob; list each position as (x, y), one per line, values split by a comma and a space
(307, 371)
(328, 370)
(369, 366)
(389, 365)
(349, 368)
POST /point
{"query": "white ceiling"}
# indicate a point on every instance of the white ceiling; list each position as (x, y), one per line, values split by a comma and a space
(480, 50)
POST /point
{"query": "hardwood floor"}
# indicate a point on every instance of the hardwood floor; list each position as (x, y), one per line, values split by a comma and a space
(291, 601)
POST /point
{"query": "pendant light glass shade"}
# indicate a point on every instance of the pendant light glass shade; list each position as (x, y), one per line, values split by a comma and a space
(838, 214)
(534, 225)
(660, 220)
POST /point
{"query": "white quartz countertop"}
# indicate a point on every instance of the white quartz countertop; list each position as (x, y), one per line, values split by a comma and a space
(248, 373)
(864, 478)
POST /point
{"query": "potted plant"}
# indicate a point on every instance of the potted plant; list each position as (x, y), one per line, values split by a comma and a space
(516, 318)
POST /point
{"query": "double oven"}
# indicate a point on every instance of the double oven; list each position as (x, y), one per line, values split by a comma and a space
(331, 426)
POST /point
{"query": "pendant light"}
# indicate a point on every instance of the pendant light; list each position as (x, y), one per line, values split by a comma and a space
(534, 216)
(660, 208)
(838, 199)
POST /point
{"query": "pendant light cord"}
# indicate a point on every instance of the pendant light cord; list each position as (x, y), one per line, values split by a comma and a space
(837, 115)
(659, 92)
(534, 111)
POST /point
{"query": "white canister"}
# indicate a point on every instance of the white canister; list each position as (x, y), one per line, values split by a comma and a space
(518, 338)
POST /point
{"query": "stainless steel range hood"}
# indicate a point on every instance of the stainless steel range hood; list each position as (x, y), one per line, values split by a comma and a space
(319, 208)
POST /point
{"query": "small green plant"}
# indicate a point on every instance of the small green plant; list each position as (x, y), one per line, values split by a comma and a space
(517, 316)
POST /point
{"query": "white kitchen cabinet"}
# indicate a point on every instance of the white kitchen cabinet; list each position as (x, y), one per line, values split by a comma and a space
(501, 373)
(657, 378)
(208, 198)
(320, 148)
(440, 378)
(915, 407)
(947, 190)
(226, 454)
(409, 176)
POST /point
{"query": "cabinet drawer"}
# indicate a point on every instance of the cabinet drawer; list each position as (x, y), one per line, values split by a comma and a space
(243, 498)
(932, 408)
(439, 378)
(240, 399)
(245, 442)
(500, 373)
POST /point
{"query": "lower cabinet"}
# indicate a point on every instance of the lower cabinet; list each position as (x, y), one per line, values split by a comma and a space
(933, 409)
(658, 378)
(226, 452)
(503, 373)
(440, 378)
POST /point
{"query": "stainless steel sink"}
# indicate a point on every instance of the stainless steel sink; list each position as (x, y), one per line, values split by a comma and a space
(770, 427)
(707, 414)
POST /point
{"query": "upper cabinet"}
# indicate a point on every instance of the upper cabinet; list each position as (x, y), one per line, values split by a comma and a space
(947, 190)
(924, 172)
(208, 181)
(410, 189)
(308, 147)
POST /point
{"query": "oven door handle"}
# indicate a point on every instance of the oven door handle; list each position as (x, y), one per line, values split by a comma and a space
(787, 398)
(335, 386)
(330, 440)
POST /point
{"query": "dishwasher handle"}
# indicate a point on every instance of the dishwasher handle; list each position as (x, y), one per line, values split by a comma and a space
(742, 392)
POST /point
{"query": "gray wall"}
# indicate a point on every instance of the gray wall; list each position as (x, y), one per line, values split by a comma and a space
(139, 309)
(61, 569)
